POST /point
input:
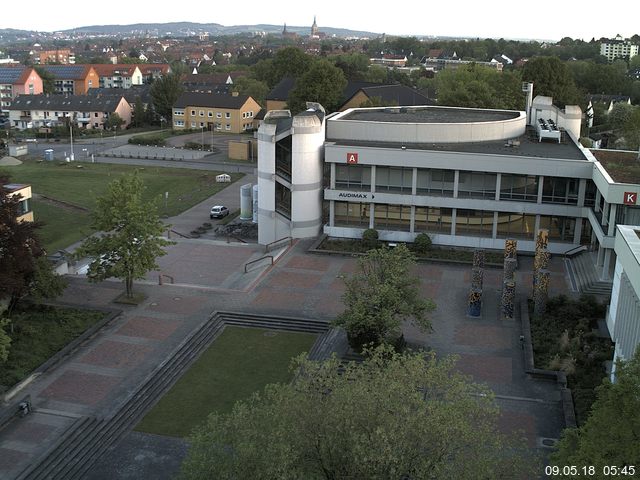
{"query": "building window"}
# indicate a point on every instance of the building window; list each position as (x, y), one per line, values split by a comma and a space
(193, 124)
(283, 200)
(227, 115)
(353, 177)
(477, 185)
(590, 194)
(394, 179)
(193, 113)
(560, 190)
(560, 228)
(351, 214)
(516, 225)
(435, 182)
(218, 115)
(433, 220)
(201, 113)
(179, 123)
(474, 222)
(227, 127)
(523, 188)
(392, 217)
(283, 158)
(210, 114)
(201, 124)
(24, 206)
(178, 113)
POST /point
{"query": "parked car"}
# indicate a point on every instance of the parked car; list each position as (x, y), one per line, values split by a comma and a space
(219, 211)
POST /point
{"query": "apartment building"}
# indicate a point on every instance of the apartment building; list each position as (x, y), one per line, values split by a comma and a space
(25, 214)
(618, 48)
(73, 79)
(62, 56)
(218, 112)
(16, 81)
(118, 75)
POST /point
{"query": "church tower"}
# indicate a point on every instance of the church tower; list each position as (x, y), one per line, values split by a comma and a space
(314, 28)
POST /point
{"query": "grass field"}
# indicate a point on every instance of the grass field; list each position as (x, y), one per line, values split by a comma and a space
(81, 187)
(39, 332)
(241, 361)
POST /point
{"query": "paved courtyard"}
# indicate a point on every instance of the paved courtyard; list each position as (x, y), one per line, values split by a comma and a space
(210, 276)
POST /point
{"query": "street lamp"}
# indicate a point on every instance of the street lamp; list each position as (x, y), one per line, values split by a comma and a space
(202, 132)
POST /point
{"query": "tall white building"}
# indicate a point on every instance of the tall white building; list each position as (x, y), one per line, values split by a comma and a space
(618, 48)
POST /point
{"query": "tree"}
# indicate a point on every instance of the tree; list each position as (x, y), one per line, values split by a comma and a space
(19, 248)
(355, 66)
(323, 83)
(392, 416)
(631, 130)
(254, 88)
(130, 240)
(551, 77)
(165, 92)
(5, 341)
(610, 434)
(139, 117)
(48, 80)
(380, 296)
(114, 121)
(479, 87)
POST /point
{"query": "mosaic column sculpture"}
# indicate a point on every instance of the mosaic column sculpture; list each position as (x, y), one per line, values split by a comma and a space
(510, 268)
(542, 239)
(508, 298)
(477, 276)
(475, 302)
(540, 262)
(478, 258)
(541, 293)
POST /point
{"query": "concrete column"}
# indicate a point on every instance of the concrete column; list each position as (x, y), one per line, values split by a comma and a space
(412, 224)
(332, 212)
(540, 186)
(332, 181)
(537, 225)
(414, 184)
(613, 208)
(600, 258)
(494, 230)
(605, 214)
(456, 182)
(372, 214)
(453, 220)
(596, 207)
(582, 190)
(606, 265)
(578, 231)
(373, 179)
(498, 182)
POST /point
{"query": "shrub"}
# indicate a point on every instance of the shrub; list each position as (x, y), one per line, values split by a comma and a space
(370, 238)
(422, 243)
(150, 140)
(193, 146)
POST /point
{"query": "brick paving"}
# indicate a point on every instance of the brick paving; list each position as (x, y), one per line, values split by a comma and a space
(98, 375)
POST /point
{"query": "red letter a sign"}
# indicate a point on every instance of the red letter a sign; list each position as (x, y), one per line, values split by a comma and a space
(352, 158)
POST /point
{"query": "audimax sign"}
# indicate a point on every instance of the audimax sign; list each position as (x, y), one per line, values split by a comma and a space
(358, 195)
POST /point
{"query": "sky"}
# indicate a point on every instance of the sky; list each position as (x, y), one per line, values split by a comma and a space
(545, 20)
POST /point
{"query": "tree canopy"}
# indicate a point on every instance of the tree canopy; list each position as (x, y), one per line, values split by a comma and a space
(610, 436)
(165, 92)
(323, 82)
(551, 77)
(130, 241)
(380, 296)
(392, 416)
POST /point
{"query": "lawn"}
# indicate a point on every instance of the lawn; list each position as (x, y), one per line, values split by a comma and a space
(60, 227)
(240, 361)
(81, 187)
(39, 332)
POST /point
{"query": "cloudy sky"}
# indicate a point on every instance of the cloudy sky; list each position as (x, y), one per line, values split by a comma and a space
(546, 19)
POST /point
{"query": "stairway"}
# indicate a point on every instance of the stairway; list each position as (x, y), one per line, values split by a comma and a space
(73, 454)
(581, 268)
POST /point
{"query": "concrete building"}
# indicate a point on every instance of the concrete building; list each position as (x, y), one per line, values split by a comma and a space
(73, 79)
(16, 81)
(468, 177)
(118, 75)
(623, 316)
(25, 214)
(618, 48)
(85, 111)
(62, 56)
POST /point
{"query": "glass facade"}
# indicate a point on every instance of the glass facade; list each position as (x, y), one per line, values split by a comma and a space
(522, 188)
(351, 214)
(516, 225)
(435, 182)
(283, 158)
(283, 200)
(477, 185)
(560, 190)
(394, 179)
(392, 217)
(433, 220)
(560, 228)
(474, 222)
(353, 177)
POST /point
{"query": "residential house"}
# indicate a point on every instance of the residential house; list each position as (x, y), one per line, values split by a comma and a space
(118, 75)
(389, 60)
(153, 71)
(229, 113)
(618, 48)
(62, 56)
(25, 214)
(609, 100)
(85, 111)
(16, 81)
(73, 79)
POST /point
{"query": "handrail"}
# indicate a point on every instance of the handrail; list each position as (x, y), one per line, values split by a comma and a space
(176, 232)
(257, 260)
(268, 245)
(574, 250)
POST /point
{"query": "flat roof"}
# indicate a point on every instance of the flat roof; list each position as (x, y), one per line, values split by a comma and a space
(430, 115)
(526, 145)
(622, 166)
(12, 187)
